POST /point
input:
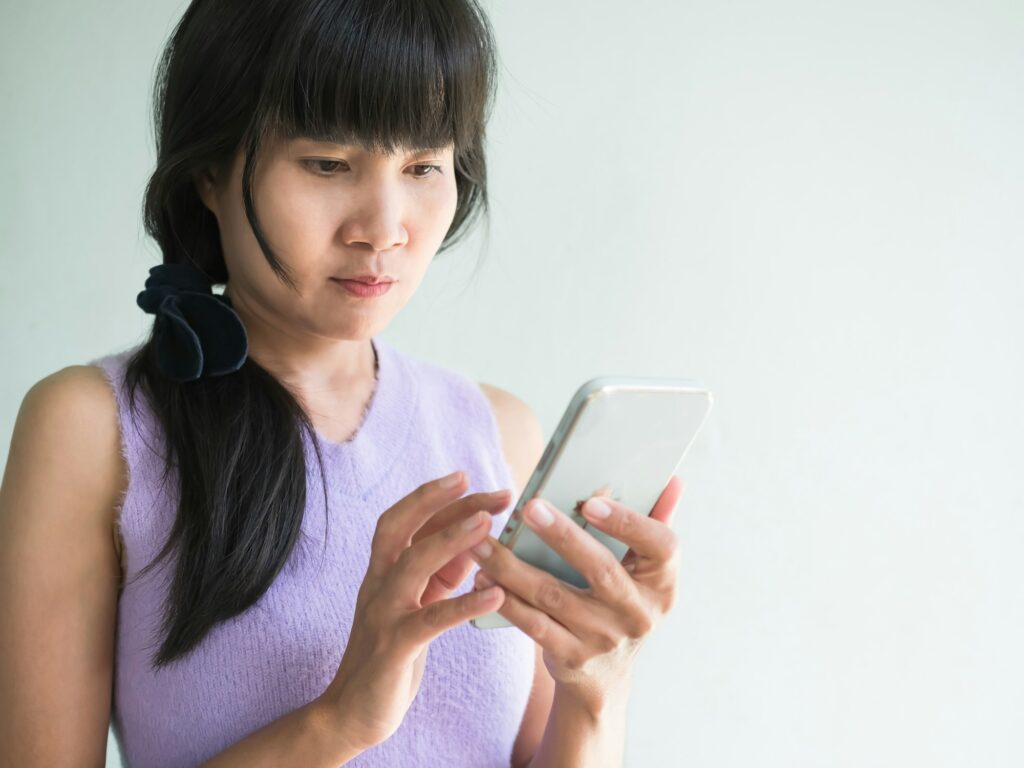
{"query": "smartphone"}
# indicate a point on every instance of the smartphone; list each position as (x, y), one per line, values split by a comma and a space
(622, 437)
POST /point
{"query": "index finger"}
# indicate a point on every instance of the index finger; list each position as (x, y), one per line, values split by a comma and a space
(429, 508)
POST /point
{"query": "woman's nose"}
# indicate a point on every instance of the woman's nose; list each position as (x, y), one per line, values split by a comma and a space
(377, 222)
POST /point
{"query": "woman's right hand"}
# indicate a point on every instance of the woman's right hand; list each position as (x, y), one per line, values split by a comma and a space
(418, 556)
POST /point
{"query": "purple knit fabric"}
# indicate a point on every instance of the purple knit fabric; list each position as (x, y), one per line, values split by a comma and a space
(423, 422)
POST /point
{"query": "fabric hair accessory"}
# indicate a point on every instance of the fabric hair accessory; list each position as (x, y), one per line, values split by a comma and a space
(196, 332)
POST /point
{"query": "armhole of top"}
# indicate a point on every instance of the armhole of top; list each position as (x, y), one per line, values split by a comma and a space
(503, 470)
(113, 372)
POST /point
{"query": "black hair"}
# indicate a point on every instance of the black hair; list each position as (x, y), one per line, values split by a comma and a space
(233, 75)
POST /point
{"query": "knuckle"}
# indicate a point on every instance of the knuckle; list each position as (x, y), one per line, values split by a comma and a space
(626, 525)
(671, 545)
(423, 494)
(536, 629)
(404, 563)
(550, 596)
(640, 626)
(668, 604)
(383, 531)
(433, 614)
(606, 575)
(668, 600)
(452, 532)
(563, 536)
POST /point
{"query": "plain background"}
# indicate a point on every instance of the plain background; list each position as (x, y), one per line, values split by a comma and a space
(814, 207)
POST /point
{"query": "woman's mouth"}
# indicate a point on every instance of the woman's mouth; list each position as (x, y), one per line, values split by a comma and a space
(363, 290)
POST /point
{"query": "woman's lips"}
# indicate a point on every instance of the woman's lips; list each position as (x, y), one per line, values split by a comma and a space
(362, 290)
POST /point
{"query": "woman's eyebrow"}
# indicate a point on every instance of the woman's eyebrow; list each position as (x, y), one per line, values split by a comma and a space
(338, 142)
(359, 149)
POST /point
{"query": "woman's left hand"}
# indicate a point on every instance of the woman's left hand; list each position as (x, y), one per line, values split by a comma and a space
(590, 636)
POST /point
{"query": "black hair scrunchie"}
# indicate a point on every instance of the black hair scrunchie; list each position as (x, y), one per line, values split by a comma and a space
(196, 331)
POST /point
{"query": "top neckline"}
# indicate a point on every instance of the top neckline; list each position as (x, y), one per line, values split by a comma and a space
(366, 457)
(367, 408)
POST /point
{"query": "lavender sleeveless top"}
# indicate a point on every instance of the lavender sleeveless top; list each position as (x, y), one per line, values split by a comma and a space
(423, 422)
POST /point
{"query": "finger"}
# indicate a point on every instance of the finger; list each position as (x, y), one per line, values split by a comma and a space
(545, 631)
(417, 566)
(399, 524)
(603, 573)
(415, 573)
(430, 621)
(495, 502)
(454, 572)
(449, 576)
(648, 537)
(576, 609)
(664, 508)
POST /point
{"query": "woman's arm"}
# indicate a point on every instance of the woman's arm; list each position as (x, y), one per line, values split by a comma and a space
(584, 733)
(312, 736)
(59, 576)
(59, 572)
(589, 637)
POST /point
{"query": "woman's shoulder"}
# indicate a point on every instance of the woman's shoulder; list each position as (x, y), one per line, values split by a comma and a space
(73, 412)
(66, 447)
(74, 406)
(522, 436)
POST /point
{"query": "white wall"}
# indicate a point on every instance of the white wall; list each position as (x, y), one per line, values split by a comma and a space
(815, 207)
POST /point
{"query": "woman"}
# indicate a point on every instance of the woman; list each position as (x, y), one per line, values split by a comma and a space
(287, 492)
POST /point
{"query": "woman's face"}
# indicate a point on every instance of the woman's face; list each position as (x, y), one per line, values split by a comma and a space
(331, 211)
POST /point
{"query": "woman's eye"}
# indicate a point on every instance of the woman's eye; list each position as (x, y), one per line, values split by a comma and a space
(320, 169)
(328, 167)
(436, 169)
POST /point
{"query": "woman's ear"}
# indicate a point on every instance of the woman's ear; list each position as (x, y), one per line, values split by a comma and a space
(206, 189)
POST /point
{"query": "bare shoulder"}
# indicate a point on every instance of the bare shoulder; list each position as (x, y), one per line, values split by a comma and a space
(59, 572)
(66, 448)
(72, 413)
(522, 434)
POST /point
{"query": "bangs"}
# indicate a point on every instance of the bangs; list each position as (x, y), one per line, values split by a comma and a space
(383, 75)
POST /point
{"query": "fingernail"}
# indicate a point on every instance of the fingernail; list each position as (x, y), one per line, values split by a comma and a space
(451, 480)
(540, 513)
(472, 521)
(483, 549)
(499, 494)
(483, 580)
(596, 507)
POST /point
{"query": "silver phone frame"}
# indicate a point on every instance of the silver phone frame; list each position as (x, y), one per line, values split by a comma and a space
(589, 391)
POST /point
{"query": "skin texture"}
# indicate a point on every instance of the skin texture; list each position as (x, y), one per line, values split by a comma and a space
(590, 636)
(329, 210)
(59, 572)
